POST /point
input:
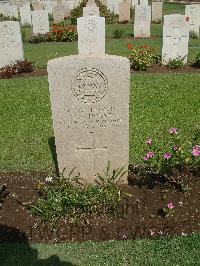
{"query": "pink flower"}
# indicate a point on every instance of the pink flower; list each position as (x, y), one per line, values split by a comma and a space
(196, 150)
(175, 148)
(173, 131)
(149, 142)
(167, 155)
(148, 156)
(170, 206)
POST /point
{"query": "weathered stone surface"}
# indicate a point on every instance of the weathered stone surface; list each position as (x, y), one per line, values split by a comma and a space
(90, 110)
(124, 11)
(157, 11)
(90, 11)
(11, 48)
(144, 2)
(37, 6)
(193, 12)
(91, 35)
(13, 12)
(175, 38)
(25, 14)
(142, 22)
(40, 21)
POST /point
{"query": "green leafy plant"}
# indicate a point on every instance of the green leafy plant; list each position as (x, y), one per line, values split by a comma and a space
(193, 35)
(157, 21)
(175, 63)
(117, 34)
(142, 57)
(67, 197)
(197, 60)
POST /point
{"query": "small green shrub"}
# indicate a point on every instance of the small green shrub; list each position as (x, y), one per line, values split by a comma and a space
(175, 63)
(197, 60)
(117, 34)
(142, 57)
(67, 197)
(193, 35)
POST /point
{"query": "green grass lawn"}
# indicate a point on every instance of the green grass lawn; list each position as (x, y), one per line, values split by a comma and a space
(162, 251)
(157, 102)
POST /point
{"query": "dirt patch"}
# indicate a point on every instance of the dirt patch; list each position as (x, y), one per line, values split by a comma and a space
(152, 70)
(137, 216)
(161, 69)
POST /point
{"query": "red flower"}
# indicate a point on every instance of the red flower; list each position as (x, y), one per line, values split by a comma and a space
(130, 46)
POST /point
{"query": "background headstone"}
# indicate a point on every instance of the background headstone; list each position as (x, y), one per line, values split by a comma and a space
(40, 21)
(11, 48)
(91, 35)
(156, 11)
(25, 14)
(124, 11)
(142, 21)
(91, 9)
(58, 13)
(193, 12)
(175, 38)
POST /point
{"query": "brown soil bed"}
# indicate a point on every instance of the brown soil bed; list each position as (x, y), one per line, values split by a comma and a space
(161, 69)
(138, 214)
(151, 70)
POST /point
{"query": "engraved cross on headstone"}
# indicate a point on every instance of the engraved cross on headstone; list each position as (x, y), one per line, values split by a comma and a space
(93, 149)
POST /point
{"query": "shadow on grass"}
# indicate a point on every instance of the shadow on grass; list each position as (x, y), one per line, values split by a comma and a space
(15, 250)
(52, 146)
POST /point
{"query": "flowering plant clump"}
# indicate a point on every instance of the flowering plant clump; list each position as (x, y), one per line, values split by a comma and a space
(62, 34)
(171, 158)
(58, 33)
(142, 57)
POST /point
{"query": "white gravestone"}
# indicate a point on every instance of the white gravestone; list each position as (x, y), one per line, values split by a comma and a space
(13, 12)
(193, 13)
(40, 21)
(124, 11)
(144, 2)
(90, 110)
(91, 35)
(91, 9)
(58, 13)
(142, 21)
(48, 6)
(157, 11)
(110, 5)
(11, 48)
(25, 14)
(175, 38)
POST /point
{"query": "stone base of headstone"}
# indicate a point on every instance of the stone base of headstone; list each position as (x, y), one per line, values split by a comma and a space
(90, 110)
